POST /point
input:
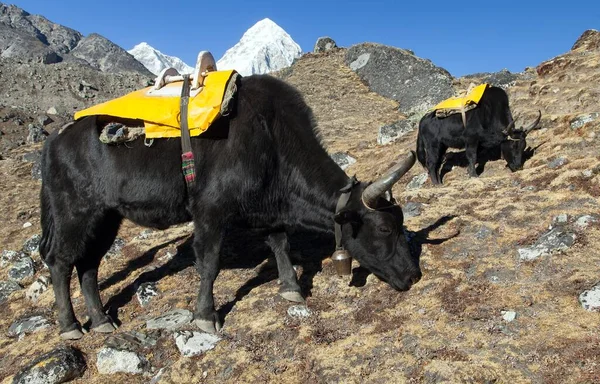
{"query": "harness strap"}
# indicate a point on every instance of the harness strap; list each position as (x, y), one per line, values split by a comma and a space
(187, 156)
(341, 203)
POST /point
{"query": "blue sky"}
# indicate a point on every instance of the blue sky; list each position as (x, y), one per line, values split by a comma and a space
(463, 37)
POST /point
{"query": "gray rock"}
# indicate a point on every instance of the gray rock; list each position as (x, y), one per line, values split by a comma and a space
(324, 44)
(509, 316)
(116, 247)
(590, 299)
(417, 181)
(52, 111)
(195, 343)
(44, 120)
(483, 232)
(563, 218)
(145, 292)
(299, 311)
(171, 320)
(581, 120)
(503, 79)
(398, 74)
(156, 379)
(343, 159)
(22, 269)
(110, 361)
(7, 257)
(31, 245)
(390, 133)
(553, 241)
(131, 340)
(6, 288)
(558, 162)
(39, 286)
(27, 325)
(36, 134)
(584, 221)
(58, 366)
(411, 209)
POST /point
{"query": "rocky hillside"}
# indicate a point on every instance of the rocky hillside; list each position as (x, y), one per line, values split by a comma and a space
(510, 260)
(33, 38)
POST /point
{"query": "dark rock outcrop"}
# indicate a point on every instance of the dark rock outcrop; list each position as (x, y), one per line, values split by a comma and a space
(417, 84)
(324, 44)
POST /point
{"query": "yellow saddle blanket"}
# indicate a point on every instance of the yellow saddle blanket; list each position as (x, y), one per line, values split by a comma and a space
(160, 110)
(461, 103)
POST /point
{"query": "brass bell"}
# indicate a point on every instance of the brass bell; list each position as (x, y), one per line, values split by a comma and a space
(342, 261)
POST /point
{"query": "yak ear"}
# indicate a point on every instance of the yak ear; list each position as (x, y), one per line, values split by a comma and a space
(346, 216)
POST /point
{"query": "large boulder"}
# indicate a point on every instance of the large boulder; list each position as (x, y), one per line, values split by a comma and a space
(417, 84)
(324, 44)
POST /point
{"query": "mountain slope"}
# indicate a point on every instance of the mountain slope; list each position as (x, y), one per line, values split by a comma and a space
(155, 61)
(263, 48)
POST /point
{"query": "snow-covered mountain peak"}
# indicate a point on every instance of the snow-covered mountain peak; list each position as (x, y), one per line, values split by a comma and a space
(156, 61)
(263, 48)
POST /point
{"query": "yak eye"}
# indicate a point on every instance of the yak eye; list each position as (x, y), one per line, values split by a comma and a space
(384, 230)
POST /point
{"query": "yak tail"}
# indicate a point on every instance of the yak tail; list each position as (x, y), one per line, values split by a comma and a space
(421, 153)
(47, 222)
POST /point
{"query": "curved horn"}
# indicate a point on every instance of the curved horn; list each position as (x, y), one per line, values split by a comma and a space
(508, 130)
(385, 182)
(534, 124)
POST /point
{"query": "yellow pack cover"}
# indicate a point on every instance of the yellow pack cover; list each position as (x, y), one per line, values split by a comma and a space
(457, 103)
(161, 114)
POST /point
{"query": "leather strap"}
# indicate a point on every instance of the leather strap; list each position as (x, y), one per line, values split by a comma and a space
(187, 156)
(341, 203)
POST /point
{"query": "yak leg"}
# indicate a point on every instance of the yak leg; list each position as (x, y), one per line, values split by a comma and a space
(60, 272)
(104, 230)
(435, 157)
(471, 153)
(207, 247)
(290, 290)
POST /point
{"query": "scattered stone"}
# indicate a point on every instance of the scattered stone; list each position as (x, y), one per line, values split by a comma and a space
(44, 120)
(299, 311)
(171, 320)
(39, 286)
(587, 173)
(195, 343)
(554, 240)
(130, 341)
(563, 218)
(590, 299)
(22, 269)
(509, 316)
(581, 120)
(36, 134)
(416, 83)
(58, 366)
(110, 360)
(158, 376)
(52, 111)
(7, 257)
(558, 162)
(483, 233)
(28, 325)
(584, 221)
(417, 181)
(31, 245)
(390, 133)
(6, 288)
(343, 159)
(116, 247)
(145, 234)
(27, 225)
(324, 44)
(145, 292)
(411, 209)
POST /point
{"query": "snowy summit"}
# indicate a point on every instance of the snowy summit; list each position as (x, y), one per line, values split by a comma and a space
(156, 61)
(265, 47)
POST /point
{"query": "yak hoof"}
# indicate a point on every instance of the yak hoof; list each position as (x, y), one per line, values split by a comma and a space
(208, 326)
(105, 328)
(294, 296)
(74, 334)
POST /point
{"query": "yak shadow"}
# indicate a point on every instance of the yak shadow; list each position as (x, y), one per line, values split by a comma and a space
(415, 242)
